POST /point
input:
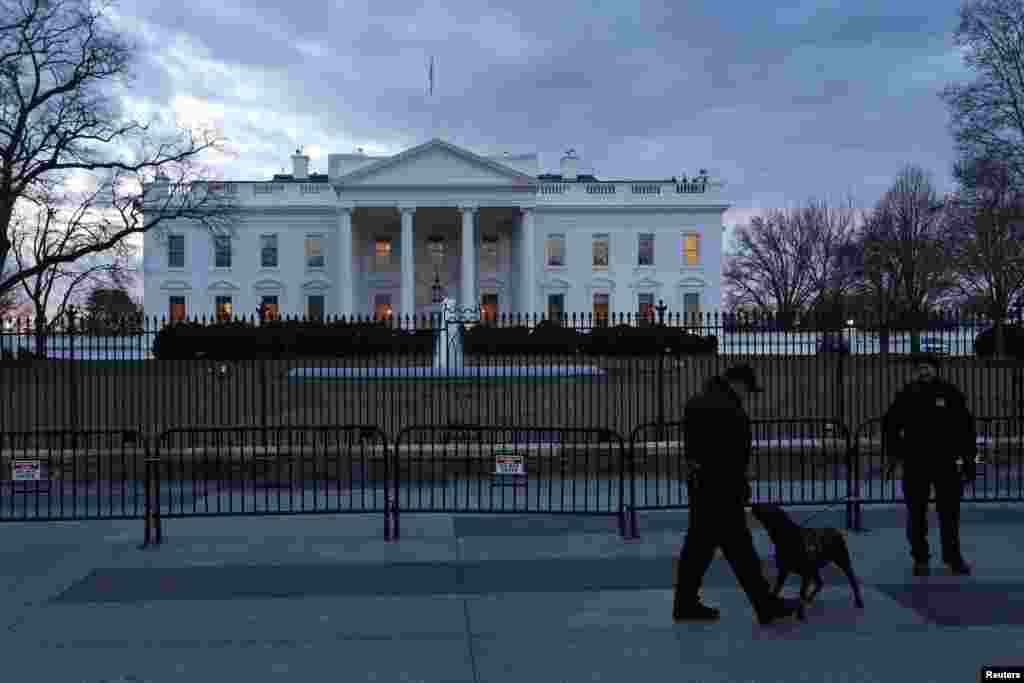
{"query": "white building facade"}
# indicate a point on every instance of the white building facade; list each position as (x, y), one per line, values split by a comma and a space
(376, 234)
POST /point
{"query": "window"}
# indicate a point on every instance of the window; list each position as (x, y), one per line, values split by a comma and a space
(315, 307)
(645, 249)
(314, 251)
(175, 251)
(435, 245)
(489, 253)
(691, 307)
(269, 309)
(489, 307)
(382, 306)
(556, 306)
(646, 302)
(691, 249)
(601, 310)
(222, 308)
(222, 251)
(268, 251)
(177, 308)
(382, 253)
(601, 251)
(556, 250)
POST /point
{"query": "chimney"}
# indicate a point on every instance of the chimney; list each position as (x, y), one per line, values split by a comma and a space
(569, 165)
(300, 166)
(160, 188)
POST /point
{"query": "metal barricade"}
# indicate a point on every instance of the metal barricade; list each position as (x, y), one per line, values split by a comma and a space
(794, 462)
(67, 475)
(459, 468)
(220, 470)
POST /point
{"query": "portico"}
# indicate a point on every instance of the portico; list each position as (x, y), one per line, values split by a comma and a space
(438, 197)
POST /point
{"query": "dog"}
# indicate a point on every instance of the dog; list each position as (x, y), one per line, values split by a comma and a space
(805, 552)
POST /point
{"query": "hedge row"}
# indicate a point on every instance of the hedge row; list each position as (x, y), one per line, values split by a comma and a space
(237, 340)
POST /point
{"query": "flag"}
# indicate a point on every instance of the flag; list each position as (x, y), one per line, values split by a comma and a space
(430, 77)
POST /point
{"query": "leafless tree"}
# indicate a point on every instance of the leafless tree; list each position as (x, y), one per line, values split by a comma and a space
(60, 124)
(987, 236)
(907, 262)
(988, 113)
(791, 261)
(39, 236)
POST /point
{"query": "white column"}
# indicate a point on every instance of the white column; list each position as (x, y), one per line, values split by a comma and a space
(408, 296)
(469, 260)
(529, 263)
(346, 280)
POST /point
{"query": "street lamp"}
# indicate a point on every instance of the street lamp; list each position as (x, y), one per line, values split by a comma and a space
(436, 290)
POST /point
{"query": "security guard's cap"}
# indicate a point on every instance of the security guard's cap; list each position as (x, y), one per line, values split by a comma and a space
(745, 374)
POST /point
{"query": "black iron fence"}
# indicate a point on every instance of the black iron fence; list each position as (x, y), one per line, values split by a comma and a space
(453, 468)
(517, 371)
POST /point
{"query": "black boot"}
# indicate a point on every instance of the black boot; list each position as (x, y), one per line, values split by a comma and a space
(780, 609)
(695, 612)
(921, 569)
(959, 567)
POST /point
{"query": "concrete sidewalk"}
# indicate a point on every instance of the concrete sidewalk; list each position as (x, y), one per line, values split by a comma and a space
(484, 598)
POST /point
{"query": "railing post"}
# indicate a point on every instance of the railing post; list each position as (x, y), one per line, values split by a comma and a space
(853, 502)
(153, 530)
(661, 374)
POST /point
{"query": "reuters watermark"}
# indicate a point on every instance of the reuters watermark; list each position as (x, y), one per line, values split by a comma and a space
(1002, 673)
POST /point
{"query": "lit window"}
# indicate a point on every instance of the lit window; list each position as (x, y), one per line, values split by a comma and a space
(269, 309)
(691, 249)
(175, 251)
(314, 252)
(601, 243)
(556, 250)
(268, 251)
(489, 307)
(177, 308)
(646, 302)
(382, 306)
(382, 252)
(223, 308)
(645, 250)
(601, 310)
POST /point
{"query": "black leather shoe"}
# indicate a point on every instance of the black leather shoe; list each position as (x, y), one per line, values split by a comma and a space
(695, 612)
(780, 610)
(959, 567)
(921, 569)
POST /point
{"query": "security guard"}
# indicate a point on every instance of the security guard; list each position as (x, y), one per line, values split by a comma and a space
(931, 431)
(718, 442)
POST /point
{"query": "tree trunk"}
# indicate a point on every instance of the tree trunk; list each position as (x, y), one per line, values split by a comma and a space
(40, 332)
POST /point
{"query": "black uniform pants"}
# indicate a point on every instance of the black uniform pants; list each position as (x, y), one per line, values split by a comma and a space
(918, 480)
(719, 523)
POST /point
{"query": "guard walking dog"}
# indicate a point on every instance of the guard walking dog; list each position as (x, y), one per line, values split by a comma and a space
(804, 551)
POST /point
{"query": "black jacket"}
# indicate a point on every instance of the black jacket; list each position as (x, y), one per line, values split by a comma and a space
(718, 438)
(930, 422)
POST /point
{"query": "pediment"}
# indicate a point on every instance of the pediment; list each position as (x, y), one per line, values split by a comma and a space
(316, 286)
(602, 283)
(435, 163)
(557, 283)
(267, 284)
(176, 285)
(224, 285)
(646, 283)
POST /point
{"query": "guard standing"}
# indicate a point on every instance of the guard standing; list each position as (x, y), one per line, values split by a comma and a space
(718, 444)
(931, 431)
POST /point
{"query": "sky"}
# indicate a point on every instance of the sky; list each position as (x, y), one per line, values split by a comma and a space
(783, 101)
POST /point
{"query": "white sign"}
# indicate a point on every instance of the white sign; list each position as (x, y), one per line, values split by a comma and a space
(25, 470)
(505, 463)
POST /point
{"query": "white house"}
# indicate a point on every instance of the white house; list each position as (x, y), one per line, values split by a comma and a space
(376, 233)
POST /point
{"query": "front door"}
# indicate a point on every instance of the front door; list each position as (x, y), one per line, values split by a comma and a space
(489, 307)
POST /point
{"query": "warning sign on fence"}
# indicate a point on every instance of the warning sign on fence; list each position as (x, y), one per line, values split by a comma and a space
(26, 470)
(509, 467)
